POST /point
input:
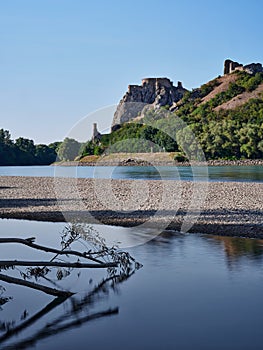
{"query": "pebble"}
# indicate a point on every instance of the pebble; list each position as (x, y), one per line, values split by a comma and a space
(226, 208)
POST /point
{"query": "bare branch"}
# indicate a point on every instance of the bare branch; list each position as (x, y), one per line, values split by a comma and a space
(47, 290)
(29, 242)
(57, 264)
(54, 303)
(54, 329)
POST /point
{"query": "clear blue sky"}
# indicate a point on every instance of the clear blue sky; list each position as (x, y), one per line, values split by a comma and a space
(62, 59)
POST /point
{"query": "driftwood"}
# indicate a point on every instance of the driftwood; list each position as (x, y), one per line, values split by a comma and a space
(65, 322)
(76, 308)
(53, 304)
(47, 290)
(120, 267)
(51, 330)
(6, 263)
(29, 243)
(52, 291)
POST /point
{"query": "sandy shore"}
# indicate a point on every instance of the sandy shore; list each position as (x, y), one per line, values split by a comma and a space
(226, 208)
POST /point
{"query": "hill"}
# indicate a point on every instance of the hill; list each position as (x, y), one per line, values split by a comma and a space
(225, 115)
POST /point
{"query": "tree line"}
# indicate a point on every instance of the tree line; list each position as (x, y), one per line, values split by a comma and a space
(226, 134)
(23, 151)
(223, 134)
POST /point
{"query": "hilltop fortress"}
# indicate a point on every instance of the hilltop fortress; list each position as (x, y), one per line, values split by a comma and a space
(252, 68)
(157, 92)
(160, 92)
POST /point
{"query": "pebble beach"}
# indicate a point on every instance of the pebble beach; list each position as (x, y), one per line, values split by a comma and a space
(223, 208)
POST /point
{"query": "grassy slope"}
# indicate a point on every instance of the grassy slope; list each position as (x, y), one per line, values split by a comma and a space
(200, 107)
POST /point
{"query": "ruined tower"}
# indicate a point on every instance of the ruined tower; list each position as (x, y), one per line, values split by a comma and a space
(95, 134)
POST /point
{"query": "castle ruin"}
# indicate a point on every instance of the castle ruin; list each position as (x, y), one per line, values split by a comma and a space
(96, 136)
(157, 92)
(252, 68)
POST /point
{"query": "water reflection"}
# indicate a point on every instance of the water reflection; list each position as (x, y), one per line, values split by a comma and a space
(237, 248)
(186, 296)
(79, 313)
(216, 173)
(78, 307)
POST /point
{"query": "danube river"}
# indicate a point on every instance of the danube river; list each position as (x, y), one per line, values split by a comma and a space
(193, 292)
(213, 173)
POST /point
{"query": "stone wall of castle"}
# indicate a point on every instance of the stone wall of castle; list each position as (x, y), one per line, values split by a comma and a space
(252, 68)
(153, 91)
(157, 92)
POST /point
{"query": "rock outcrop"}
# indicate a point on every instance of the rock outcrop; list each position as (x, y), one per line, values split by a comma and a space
(252, 68)
(156, 92)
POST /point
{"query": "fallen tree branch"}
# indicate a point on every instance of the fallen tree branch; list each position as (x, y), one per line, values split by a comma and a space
(29, 242)
(54, 329)
(53, 304)
(47, 290)
(57, 264)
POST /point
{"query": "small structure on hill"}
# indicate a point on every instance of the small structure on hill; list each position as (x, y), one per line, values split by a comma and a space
(96, 136)
(252, 68)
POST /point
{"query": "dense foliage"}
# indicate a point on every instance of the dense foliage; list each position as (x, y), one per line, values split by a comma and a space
(130, 138)
(234, 133)
(23, 151)
(68, 149)
(223, 134)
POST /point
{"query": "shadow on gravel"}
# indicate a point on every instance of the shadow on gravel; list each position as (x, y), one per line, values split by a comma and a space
(218, 222)
(31, 202)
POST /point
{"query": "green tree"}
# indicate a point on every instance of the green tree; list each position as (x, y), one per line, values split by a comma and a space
(45, 155)
(25, 145)
(7, 149)
(69, 149)
(55, 145)
(25, 151)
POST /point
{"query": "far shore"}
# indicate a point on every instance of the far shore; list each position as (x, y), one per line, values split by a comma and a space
(230, 208)
(148, 159)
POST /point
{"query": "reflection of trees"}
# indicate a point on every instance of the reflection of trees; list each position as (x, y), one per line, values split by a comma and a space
(238, 247)
(120, 266)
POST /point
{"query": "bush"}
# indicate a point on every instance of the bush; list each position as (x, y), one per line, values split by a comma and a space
(180, 158)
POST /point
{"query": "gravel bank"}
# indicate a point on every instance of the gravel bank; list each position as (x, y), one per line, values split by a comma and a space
(227, 208)
(144, 159)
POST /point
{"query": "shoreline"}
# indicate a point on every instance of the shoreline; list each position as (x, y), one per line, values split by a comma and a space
(230, 208)
(137, 161)
(224, 230)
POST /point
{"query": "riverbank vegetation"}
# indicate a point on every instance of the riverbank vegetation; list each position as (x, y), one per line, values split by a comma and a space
(23, 151)
(222, 133)
(224, 130)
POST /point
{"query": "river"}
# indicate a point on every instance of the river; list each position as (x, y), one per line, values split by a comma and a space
(193, 292)
(213, 173)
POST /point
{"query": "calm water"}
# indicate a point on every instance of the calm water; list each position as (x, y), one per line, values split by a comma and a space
(218, 173)
(193, 292)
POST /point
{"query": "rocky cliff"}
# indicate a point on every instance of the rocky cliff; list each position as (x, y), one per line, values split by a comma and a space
(156, 92)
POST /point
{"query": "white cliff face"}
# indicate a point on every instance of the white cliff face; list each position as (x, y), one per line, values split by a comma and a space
(153, 91)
